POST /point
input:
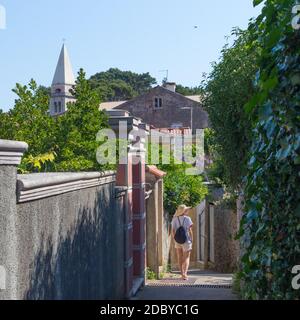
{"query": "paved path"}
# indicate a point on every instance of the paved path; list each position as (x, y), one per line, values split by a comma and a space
(201, 285)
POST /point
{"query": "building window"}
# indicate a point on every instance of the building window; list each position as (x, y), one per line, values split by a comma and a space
(55, 107)
(57, 91)
(158, 103)
(59, 107)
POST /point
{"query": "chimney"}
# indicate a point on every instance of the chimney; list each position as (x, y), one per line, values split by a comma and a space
(170, 86)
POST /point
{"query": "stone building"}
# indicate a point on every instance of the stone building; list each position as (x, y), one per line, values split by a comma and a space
(163, 107)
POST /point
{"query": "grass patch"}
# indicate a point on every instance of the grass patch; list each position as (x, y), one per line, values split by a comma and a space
(150, 275)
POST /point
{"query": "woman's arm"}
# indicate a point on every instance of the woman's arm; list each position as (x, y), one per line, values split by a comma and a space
(191, 233)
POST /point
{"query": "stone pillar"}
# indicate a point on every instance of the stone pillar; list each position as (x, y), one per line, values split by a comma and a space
(139, 214)
(160, 209)
(11, 153)
(132, 175)
(152, 231)
(124, 179)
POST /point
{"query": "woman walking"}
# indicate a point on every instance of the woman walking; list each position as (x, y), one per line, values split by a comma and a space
(183, 236)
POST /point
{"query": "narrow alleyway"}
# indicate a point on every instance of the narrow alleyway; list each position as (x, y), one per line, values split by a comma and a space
(201, 285)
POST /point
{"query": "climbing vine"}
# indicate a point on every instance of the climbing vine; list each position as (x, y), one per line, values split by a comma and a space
(271, 224)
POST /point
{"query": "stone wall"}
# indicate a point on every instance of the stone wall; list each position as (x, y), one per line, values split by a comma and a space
(166, 241)
(225, 247)
(157, 226)
(171, 111)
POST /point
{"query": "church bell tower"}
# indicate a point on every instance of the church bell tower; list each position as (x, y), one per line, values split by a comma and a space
(62, 83)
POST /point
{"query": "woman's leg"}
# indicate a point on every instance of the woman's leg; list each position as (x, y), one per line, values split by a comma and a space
(180, 259)
(186, 262)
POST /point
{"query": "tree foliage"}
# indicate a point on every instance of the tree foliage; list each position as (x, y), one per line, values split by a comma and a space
(77, 129)
(227, 88)
(29, 120)
(117, 85)
(189, 91)
(179, 187)
(64, 143)
(257, 130)
(271, 225)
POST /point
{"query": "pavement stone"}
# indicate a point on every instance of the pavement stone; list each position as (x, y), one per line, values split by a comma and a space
(201, 285)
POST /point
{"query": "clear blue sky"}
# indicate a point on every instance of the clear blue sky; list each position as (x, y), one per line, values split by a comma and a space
(136, 35)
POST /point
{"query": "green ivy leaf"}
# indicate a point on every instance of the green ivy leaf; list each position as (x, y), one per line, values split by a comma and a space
(297, 160)
(252, 103)
(270, 83)
(297, 211)
(252, 215)
(266, 111)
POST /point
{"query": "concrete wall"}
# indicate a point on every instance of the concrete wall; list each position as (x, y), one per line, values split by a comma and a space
(66, 246)
(61, 235)
(70, 246)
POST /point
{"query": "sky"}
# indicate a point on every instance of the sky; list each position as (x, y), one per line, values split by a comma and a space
(136, 35)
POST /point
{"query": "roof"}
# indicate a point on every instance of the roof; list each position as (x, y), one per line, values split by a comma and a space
(114, 104)
(196, 98)
(155, 171)
(110, 105)
(175, 131)
(64, 72)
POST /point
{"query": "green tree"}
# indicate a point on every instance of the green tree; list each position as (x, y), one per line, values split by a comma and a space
(189, 91)
(227, 89)
(76, 137)
(117, 85)
(29, 121)
(6, 129)
(179, 188)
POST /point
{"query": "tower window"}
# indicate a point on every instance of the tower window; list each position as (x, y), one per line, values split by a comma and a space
(57, 91)
(59, 107)
(158, 103)
(55, 107)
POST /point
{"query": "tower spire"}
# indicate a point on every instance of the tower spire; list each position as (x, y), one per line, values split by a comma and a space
(64, 72)
(63, 81)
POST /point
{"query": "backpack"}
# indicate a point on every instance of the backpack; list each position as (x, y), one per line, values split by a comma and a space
(180, 234)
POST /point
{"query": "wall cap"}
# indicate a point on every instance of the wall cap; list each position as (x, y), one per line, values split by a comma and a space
(36, 186)
(11, 152)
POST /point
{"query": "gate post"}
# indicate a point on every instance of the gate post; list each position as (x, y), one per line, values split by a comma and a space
(11, 153)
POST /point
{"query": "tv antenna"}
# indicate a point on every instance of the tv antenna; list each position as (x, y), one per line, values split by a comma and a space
(165, 79)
